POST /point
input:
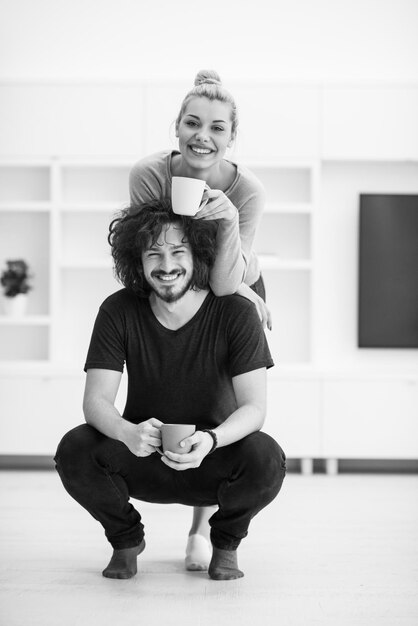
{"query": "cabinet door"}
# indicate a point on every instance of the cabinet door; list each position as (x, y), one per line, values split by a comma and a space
(36, 411)
(370, 123)
(291, 114)
(293, 416)
(370, 419)
(71, 119)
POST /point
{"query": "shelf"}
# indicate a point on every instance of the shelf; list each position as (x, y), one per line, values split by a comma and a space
(26, 320)
(85, 207)
(271, 262)
(28, 207)
(87, 264)
(289, 208)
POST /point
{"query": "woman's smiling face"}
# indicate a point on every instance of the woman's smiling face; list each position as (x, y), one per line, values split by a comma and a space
(204, 132)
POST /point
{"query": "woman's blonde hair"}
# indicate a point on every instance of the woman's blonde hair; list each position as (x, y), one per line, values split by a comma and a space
(208, 84)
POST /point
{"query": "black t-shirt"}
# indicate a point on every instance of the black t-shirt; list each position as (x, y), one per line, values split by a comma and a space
(179, 376)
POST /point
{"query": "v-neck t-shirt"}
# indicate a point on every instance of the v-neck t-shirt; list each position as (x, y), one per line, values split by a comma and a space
(183, 375)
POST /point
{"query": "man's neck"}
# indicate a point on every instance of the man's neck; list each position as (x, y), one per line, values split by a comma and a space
(174, 315)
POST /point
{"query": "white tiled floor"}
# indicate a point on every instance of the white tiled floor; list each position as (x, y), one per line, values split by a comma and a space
(331, 550)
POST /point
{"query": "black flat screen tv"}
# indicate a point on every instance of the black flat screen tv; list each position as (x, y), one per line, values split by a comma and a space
(388, 271)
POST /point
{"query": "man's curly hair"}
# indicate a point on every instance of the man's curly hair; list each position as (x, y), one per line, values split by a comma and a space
(138, 227)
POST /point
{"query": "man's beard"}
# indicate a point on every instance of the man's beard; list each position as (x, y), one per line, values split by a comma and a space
(167, 295)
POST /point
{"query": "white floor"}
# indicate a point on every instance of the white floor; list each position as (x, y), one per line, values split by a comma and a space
(331, 550)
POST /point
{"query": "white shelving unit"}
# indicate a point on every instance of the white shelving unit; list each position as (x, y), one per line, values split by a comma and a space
(72, 205)
(326, 397)
(284, 243)
(55, 214)
(25, 232)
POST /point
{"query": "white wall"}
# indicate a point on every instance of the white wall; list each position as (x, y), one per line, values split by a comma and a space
(319, 40)
(70, 85)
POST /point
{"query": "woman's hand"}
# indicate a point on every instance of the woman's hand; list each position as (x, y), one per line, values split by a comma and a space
(218, 206)
(201, 446)
(142, 439)
(262, 309)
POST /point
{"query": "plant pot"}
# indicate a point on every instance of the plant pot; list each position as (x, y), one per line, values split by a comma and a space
(16, 305)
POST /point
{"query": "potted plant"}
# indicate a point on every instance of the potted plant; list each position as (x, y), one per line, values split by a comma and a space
(14, 280)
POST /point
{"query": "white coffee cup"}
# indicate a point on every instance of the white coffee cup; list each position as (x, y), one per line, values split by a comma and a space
(186, 195)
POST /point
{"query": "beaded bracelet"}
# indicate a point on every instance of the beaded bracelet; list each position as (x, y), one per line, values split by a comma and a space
(214, 437)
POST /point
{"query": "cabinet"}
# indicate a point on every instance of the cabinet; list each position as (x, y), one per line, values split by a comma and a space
(370, 122)
(293, 415)
(373, 418)
(37, 410)
(39, 407)
(324, 146)
(71, 119)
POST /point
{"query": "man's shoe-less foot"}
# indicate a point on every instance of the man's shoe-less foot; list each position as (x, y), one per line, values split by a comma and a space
(123, 562)
(198, 553)
(224, 565)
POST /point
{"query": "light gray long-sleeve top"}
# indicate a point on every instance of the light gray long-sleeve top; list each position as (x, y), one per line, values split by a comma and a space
(236, 261)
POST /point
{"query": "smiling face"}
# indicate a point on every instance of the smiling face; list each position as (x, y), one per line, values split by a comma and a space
(204, 132)
(168, 264)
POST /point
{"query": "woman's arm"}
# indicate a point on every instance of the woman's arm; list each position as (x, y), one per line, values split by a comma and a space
(236, 232)
(148, 179)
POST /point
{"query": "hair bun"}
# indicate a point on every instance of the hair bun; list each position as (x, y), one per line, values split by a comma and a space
(210, 77)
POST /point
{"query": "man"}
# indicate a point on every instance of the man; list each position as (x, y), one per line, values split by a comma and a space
(191, 358)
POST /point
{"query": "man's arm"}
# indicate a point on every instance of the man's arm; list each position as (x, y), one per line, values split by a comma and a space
(100, 411)
(250, 392)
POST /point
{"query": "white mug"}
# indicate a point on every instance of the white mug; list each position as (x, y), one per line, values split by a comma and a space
(186, 195)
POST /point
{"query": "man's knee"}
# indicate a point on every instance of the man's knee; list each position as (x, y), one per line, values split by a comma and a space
(73, 448)
(264, 459)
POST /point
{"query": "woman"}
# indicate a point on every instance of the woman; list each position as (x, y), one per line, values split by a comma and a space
(205, 127)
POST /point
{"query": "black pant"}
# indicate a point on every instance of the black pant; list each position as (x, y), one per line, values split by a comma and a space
(259, 287)
(102, 474)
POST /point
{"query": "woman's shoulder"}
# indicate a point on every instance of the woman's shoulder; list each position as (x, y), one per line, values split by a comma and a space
(246, 186)
(250, 179)
(152, 162)
(150, 177)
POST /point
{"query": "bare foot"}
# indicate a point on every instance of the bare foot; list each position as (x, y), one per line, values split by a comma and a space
(198, 553)
(224, 565)
(123, 562)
